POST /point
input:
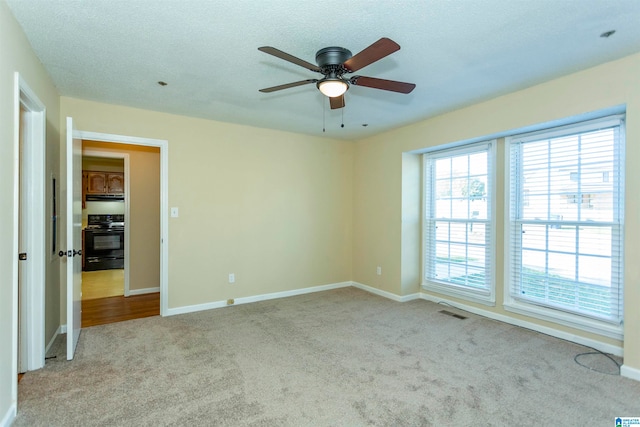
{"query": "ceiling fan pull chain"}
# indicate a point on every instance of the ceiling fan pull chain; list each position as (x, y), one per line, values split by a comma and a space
(342, 124)
(324, 120)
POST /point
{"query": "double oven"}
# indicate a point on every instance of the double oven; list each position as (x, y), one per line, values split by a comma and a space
(104, 242)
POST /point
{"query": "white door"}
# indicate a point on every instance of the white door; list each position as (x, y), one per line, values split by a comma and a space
(74, 239)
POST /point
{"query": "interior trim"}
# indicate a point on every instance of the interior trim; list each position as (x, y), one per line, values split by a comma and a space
(389, 295)
(246, 300)
(10, 416)
(53, 339)
(143, 291)
(629, 372)
(163, 144)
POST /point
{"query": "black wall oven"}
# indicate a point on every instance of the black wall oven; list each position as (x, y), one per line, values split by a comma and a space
(104, 242)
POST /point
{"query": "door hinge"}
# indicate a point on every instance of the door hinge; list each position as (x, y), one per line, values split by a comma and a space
(22, 256)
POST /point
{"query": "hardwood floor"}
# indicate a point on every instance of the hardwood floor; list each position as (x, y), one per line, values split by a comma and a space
(101, 311)
(103, 299)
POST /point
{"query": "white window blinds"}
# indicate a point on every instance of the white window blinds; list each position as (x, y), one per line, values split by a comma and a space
(458, 223)
(566, 218)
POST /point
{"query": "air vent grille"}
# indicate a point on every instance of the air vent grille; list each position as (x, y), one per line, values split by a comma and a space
(452, 314)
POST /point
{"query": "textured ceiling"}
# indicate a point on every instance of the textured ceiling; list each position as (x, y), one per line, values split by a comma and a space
(456, 52)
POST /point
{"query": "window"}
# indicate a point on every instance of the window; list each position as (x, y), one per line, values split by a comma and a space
(566, 218)
(458, 249)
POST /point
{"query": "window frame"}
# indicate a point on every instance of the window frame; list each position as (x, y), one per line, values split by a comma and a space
(482, 296)
(567, 318)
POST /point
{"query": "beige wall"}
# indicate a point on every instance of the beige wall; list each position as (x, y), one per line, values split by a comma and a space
(144, 208)
(16, 55)
(101, 164)
(385, 179)
(272, 207)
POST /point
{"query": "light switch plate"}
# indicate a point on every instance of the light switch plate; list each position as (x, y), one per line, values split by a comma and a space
(174, 212)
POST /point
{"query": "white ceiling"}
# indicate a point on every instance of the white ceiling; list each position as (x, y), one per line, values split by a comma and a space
(456, 52)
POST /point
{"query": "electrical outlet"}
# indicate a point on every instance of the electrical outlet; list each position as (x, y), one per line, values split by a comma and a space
(230, 301)
(232, 278)
(379, 271)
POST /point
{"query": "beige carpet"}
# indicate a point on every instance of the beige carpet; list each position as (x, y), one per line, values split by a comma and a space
(336, 358)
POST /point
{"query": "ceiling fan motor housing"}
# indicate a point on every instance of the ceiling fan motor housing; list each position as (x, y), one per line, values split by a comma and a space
(331, 60)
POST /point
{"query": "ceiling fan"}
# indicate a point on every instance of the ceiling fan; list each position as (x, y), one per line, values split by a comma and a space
(334, 63)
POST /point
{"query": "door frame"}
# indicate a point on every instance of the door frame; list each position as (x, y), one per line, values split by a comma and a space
(125, 157)
(33, 282)
(163, 145)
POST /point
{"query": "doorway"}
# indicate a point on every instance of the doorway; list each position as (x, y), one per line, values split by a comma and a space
(138, 287)
(28, 320)
(113, 288)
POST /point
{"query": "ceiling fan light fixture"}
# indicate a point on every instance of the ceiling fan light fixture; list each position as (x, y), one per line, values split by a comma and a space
(332, 87)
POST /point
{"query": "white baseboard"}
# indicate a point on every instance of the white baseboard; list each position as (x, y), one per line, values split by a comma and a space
(63, 329)
(143, 291)
(9, 417)
(389, 295)
(194, 308)
(607, 348)
(58, 332)
(629, 372)
(284, 294)
(255, 298)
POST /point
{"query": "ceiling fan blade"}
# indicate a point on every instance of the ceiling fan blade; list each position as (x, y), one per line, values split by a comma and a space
(371, 54)
(283, 55)
(383, 84)
(288, 85)
(337, 102)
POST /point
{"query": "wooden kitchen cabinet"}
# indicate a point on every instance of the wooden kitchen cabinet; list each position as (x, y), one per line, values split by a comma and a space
(115, 183)
(104, 182)
(96, 183)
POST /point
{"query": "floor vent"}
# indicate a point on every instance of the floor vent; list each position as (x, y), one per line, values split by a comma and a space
(456, 315)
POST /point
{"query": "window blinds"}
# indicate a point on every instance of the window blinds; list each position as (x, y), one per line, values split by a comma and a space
(458, 219)
(566, 218)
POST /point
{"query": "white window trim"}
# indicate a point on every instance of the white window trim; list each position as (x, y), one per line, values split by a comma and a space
(513, 305)
(485, 297)
(559, 317)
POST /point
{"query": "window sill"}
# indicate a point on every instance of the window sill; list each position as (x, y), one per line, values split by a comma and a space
(566, 319)
(481, 297)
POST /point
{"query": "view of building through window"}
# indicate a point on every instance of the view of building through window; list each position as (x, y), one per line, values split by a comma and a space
(566, 198)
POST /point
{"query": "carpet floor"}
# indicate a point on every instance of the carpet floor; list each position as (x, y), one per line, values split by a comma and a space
(337, 358)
